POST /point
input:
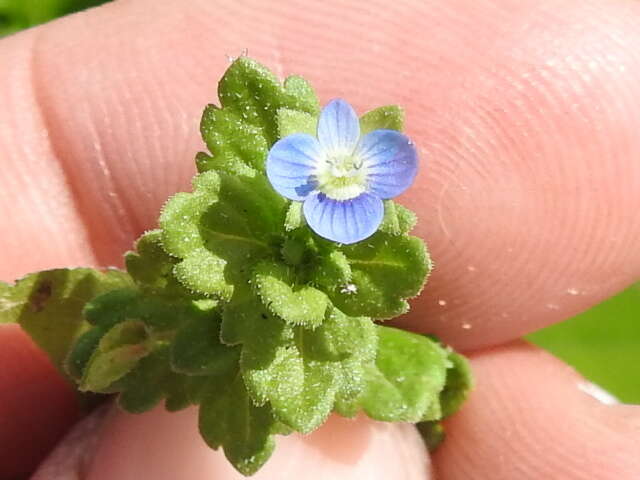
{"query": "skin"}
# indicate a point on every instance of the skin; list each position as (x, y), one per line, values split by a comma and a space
(527, 117)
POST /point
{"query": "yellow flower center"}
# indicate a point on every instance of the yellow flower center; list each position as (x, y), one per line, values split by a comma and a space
(341, 176)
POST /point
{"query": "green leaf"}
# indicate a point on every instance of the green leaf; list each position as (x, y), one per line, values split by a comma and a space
(389, 117)
(158, 312)
(332, 269)
(175, 391)
(152, 380)
(110, 307)
(405, 382)
(301, 377)
(341, 336)
(458, 384)
(6, 306)
(432, 433)
(301, 251)
(202, 271)
(245, 319)
(397, 220)
(129, 332)
(180, 217)
(387, 270)
(294, 251)
(197, 350)
(351, 343)
(117, 353)
(229, 418)
(239, 133)
(48, 305)
(304, 96)
(254, 94)
(295, 304)
(151, 267)
(295, 121)
(301, 391)
(228, 222)
(295, 218)
(248, 212)
(82, 350)
(235, 143)
(145, 385)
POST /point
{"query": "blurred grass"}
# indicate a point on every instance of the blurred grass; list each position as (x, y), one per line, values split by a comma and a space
(602, 343)
(19, 14)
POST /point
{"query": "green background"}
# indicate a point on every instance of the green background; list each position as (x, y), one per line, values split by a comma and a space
(18, 14)
(602, 343)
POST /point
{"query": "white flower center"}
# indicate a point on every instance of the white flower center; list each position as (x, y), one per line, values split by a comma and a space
(341, 176)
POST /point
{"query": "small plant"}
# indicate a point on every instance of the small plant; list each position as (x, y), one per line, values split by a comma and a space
(259, 296)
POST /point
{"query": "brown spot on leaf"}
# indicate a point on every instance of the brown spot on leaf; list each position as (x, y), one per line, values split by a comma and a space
(40, 296)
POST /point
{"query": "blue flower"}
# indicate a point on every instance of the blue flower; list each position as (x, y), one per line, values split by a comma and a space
(341, 177)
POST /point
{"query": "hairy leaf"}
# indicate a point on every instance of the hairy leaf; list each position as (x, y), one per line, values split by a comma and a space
(332, 268)
(295, 304)
(301, 391)
(302, 377)
(233, 142)
(229, 418)
(246, 319)
(117, 353)
(397, 220)
(456, 389)
(295, 218)
(459, 384)
(255, 95)
(406, 380)
(295, 121)
(196, 348)
(220, 228)
(48, 305)
(158, 312)
(389, 117)
(387, 270)
(180, 217)
(341, 336)
(146, 384)
(152, 268)
(182, 390)
(6, 305)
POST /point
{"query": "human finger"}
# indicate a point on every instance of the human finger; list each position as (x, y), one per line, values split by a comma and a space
(163, 445)
(36, 404)
(531, 417)
(526, 114)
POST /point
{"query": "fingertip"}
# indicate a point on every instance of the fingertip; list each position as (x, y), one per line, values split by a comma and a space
(530, 418)
(37, 405)
(528, 199)
(162, 445)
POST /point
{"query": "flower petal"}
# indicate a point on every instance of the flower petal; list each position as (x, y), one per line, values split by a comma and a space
(338, 127)
(346, 221)
(291, 163)
(391, 161)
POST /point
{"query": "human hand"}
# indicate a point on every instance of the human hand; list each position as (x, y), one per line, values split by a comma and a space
(526, 114)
